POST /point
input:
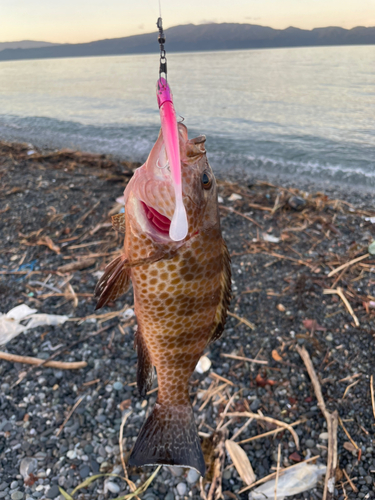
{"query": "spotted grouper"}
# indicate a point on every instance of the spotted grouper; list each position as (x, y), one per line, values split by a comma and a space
(181, 293)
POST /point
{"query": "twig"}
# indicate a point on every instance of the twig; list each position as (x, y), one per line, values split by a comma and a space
(269, 433)
(215, 491)
(36, 361)
(277, 469)
(230, 209)
(348, 435)
(348, 388)
(332, 423)
(338, 291)
(351, 262)
(241, 429)
(281, 472)
(69, 415)
(242, 358)
(219, 377)
(352, 485)
(270, 420)
(372, 394)
(121, 445)
(243, 320)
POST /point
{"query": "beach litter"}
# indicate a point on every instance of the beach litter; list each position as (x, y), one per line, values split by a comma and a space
(11, 326)
(300, 478)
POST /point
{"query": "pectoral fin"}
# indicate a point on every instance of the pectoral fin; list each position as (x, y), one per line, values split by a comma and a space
(116, 278)
(114, 282)
(118, 222)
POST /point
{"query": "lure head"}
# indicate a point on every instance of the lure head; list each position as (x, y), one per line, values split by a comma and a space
(150, 200)
(163, 92)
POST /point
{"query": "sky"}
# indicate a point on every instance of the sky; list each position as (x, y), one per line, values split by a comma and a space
(76, 21)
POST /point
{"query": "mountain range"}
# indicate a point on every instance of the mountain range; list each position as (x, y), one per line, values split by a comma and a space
(25, 44)
(202, 37)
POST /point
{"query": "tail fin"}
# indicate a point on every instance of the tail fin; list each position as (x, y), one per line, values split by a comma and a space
(169, 437)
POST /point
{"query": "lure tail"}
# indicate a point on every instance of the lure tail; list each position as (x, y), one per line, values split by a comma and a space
(169, 437)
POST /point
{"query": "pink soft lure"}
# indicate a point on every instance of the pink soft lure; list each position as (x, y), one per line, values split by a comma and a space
(179, 225)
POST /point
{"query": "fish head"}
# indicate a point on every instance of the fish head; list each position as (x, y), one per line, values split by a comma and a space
(150, 196)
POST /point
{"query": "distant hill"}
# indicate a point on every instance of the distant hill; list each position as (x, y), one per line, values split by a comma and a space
(189, 37)
(25, 44)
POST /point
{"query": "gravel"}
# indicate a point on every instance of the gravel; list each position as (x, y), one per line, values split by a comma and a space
(33, 411)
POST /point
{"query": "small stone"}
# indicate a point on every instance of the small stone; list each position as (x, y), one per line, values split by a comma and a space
(84, 471)
(112, 487)
(255, 405)
(296, 203)
(53, 492)
(16, 495)
(295, 457)
(369, 480)
(324, 436)
(203, 365)
(28, 466)
(371, 248)
(192, 476)
(227, 474)
(13, 485)
(176, 471)
(71, 454)
(118, 386)
(181, 489)
(310, 443)
(169, 496)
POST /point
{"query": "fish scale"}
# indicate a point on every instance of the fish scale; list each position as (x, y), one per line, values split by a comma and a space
(181, 294)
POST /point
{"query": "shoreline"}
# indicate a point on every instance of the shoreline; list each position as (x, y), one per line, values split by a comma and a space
(360, 195)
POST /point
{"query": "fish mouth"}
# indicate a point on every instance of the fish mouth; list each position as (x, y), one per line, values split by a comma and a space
(159, 222)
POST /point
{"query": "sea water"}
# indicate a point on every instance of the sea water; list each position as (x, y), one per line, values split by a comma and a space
(295, 112)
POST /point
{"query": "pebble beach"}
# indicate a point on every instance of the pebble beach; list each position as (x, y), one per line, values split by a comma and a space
(300, 257)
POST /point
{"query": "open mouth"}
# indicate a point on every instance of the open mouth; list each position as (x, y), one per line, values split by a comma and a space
(159, 221)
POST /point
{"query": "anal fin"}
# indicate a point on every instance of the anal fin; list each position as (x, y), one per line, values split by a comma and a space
(114, 282)
(145, 369)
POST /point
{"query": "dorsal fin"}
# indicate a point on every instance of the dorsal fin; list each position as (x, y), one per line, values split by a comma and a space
(226, 294)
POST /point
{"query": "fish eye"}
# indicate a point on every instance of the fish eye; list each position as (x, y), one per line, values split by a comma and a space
(206, 180)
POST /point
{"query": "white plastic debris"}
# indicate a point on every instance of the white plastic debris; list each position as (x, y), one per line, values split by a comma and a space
(20, 312)
(203, 365)
(270, 237)
(370, 219)
(220, 199)
(10, 323)
(234, 197)
(302, 477)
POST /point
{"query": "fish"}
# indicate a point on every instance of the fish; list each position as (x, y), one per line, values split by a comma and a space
(182, 291)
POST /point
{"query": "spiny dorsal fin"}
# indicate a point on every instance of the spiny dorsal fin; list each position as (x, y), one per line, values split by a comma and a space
(145, 370)
(118, 222)
(226, 294)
